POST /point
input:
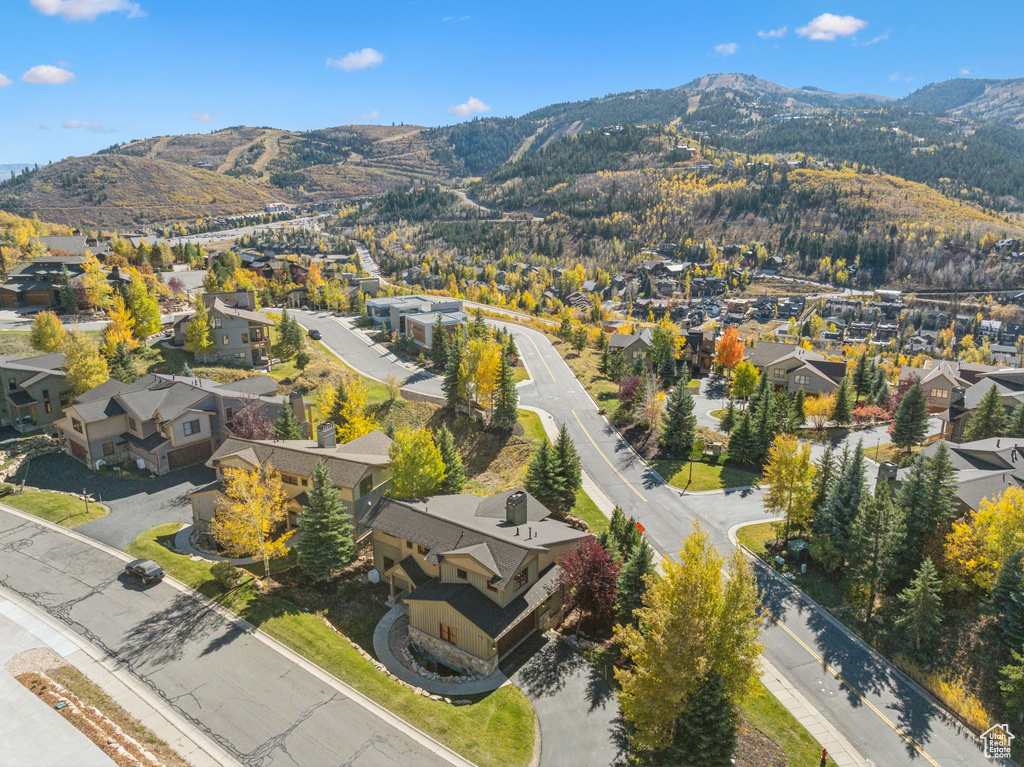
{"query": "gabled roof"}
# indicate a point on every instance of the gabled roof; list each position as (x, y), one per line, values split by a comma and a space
(220, 307)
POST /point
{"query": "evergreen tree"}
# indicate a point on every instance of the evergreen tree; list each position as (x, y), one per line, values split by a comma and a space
(439, 344)
(728, 420)
(910, 422)
(186, 371)
(875, 539)
(452, 383)
(605, 361)
(632, 583)
(327, 539)
(624, 531)
(988, 419)
(667, 370)
(797, 417)
(454, 473)
(122, 364)
(842, 409)
(861, 377)
(506, 397)
(928, 499)
(879, 388)
(570, 472)
(542, 477)
(286, 426)
(762, 391)
(743, 443)
(1006, 602)
(835, 518)
(921, 603)
(68, 298)
(707, 729)
(679, 424)
(825, 475)
(339, 407)
(1015, 428)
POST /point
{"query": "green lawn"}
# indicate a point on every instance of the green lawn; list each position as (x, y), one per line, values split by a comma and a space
(693, 383)
(719, 413)
(61, 509)
(706, 476)
(587, 510)
(15, 343)
(494, 731)
(533, 429)
(764, 713)
(754, 537)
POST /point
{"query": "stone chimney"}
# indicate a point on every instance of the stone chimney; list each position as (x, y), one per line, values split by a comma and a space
(242, 299)
(326, 436)
(298, 406)
(515, 508)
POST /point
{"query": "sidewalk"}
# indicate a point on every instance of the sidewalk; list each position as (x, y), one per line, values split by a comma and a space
(42, 631)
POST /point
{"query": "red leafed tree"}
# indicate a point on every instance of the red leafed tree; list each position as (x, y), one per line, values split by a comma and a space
(590, 578)
(729, 351)
(627, 388)
(176, 285)
(249, 422)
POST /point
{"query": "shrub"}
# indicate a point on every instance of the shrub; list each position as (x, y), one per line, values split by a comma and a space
(226, 574)
(864, 413)
(6, 488)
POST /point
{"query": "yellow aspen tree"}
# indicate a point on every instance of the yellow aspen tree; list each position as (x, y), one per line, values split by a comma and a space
(248, 519)
(120, 328)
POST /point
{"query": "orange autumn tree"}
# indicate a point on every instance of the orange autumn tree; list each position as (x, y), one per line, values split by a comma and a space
(729, 351)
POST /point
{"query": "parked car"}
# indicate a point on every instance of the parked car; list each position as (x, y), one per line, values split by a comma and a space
(315, 335)
(146, 570)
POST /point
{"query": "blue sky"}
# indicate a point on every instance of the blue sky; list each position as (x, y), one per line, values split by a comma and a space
(79, 75)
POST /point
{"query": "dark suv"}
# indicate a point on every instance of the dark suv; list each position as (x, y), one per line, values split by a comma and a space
(146, 570)
(314, 334)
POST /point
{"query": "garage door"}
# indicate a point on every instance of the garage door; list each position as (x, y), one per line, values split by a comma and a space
(520, 630)
(190, 454)
(78, 450)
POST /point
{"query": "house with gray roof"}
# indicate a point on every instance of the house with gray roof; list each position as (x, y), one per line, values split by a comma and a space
(360, 471)
(794, 368)
(478, 575)
(938, 382)
(162, 423)
(964, 399)
(33, 392)
(390, 312)
(631, 345)
(241, 334)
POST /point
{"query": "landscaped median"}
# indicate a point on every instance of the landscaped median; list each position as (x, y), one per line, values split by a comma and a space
(59, 508)
(495, 730)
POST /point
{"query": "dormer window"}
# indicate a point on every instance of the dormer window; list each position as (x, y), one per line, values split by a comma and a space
(520, 579)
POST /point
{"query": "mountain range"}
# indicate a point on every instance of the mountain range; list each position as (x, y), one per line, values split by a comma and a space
(969, 128)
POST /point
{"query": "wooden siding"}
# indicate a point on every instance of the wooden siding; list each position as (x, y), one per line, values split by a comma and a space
(428, 617)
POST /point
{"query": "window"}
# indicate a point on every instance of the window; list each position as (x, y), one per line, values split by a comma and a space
(448, 633)
(288, 479)
(305, 482)
(408, 544)
(46, 401)
(245, 338)
(779, 372)
(801, 379)
(229, 413)
(461, 574)
(938, 393)
(224, 341)
(65, 399)
(520, 579)
(239, 355)
(192, 427)
(12, 385)
(131, 424)
(77, 425)
(215, 323)
(365, 485)
(421, 550)
(388, 563)
(492, 587)
(108, 448)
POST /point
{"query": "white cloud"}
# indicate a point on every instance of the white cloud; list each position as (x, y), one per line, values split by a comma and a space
(879, 38)
(897, 77)
(85, 125)
(364, 59)
(372, 115)
(828, 27)
(965, 71)
(46, 74)
(726, 49)
(201, 117)
(87, 10)
(472, 106)
(5, 81)
(455, 18)
(780, 32)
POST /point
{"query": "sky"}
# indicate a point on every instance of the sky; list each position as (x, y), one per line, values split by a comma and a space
(80, 75)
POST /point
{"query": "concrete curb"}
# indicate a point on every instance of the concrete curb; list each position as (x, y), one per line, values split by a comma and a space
(373, 707)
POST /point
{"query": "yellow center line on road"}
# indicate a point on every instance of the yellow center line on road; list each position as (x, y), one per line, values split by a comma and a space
(606, 460)
(852, 689)
(537, 349)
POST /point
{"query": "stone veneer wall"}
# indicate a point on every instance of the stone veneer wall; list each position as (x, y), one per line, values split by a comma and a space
(451, 655)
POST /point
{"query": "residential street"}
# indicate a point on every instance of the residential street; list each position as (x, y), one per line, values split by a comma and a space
(260, 706)
(876, 699)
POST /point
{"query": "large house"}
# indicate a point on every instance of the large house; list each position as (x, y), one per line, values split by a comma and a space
(478, 575)
(1009, 382)
(241, 335)
(360, 471)
(631, 345)
(938, 382)
(38, 282)
(794, 368)
(421, 327)
(161, 422)
(390, 312)
(33, 392)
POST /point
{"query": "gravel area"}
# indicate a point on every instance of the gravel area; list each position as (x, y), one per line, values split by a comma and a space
(38, 659)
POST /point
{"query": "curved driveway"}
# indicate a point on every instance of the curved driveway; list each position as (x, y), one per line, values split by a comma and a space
(860, 693)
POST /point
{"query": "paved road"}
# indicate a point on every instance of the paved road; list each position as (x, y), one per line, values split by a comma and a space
(256, 703)
(867, 710)
(135, 504)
